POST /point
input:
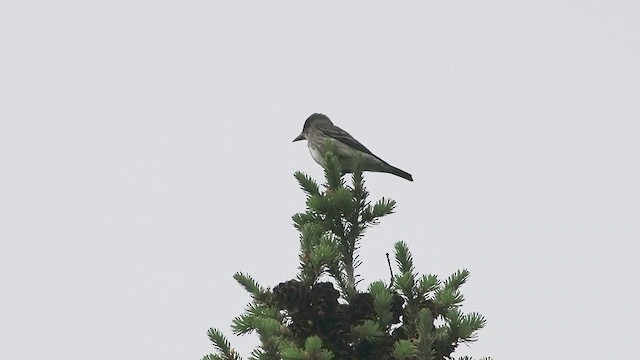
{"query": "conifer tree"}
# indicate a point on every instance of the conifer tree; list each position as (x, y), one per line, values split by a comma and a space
(321, 314)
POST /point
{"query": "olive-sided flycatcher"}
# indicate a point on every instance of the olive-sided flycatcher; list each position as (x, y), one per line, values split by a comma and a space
(318, 129)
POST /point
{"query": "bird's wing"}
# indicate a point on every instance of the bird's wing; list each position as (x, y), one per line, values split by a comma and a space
(344, 137)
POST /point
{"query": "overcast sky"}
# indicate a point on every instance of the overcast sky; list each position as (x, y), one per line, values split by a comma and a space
(146, 156)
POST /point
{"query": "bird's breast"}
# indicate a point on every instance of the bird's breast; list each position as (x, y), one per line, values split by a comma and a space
(316, 154)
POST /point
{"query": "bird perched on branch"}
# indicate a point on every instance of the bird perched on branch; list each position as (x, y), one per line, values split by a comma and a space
(318, 130)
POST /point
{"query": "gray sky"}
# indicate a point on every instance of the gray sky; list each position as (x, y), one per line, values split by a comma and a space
(146, 156)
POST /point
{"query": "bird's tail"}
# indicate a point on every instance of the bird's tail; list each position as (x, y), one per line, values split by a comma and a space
(398, 172)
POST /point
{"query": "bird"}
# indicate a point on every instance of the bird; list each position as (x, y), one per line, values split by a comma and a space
(318, 128)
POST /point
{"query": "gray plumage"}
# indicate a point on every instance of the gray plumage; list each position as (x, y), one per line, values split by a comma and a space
(318, 129)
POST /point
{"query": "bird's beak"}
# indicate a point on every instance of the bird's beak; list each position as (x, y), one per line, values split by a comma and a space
(300, 137)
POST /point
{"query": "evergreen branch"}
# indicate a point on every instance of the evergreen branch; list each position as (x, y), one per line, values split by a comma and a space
(405, 281)
(427, 284)
(257, 354)
(212, 357)
(262, 354)
(293, 353)
(243, 324)
(310, 235)
(469, 326)
(312, 350)
(268, 331)
(326, 253)
(358, 190)
(449, 295)
(332, 170)
(348, 229)
(336, 270)
(381, 208)
(222, 345)
(454, 321)
(334, 203)
(368, 330)
(424, 328)
(403, 349)
(301, 219)
(323, 256)
(445, 342)
(382, 299)
(246, 322)
(307, 184)
(356, 175)
(259, 293)
(266, 327)
(454, 281)
(446, 298)
(404, 260)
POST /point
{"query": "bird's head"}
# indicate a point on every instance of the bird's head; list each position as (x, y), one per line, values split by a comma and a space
(312, 121)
